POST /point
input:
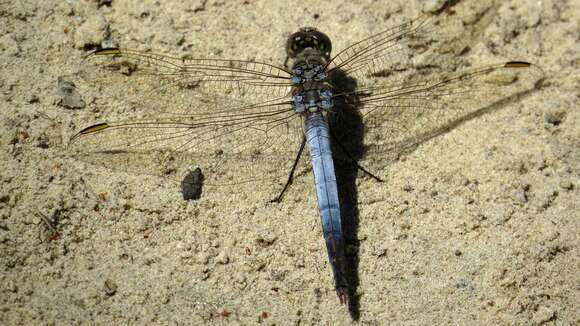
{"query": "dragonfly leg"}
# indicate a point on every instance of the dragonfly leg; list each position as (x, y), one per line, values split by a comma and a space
(286, 62)
(291, 174)
(352, 160)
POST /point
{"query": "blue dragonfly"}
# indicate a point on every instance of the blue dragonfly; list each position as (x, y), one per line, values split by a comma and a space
(249, 122)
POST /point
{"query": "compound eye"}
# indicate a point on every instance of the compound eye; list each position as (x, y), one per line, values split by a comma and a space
(322, 42)
(293, 46)
(307, 38)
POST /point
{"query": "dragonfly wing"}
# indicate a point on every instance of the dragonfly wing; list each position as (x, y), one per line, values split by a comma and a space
(389, 50)
(404, 86)
(399, 113)
(232, 118)
(253, 143)
(153, 73)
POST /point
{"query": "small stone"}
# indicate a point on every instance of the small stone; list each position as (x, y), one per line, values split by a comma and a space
(42, 141)
(317, 293)
(205, 274)
(186, 255)
(69, 97)
(554, 118)
(255, 265)
(144, 224)
(265, 240)
(110, 287)
(101, 3)
(32, 98)
(400, 235)
(222, 258)
(379, 252)
(240, 278)
(300, 263)
(92, 33)
(461, 284)
(278, 275)
(191, 185)
(520, 195)
(566, 184)
(543, 315)
(203, 258)
(10, 286)
(433, 6)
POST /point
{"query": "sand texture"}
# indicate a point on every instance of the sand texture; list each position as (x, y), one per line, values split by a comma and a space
(477, 225)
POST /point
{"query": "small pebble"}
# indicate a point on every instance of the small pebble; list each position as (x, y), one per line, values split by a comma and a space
(543, 315)
(110, 287)
(191, 185)
(433, 6)
(69, 97)
(203, 258)
(520, 195)
(222, 258)
(240, 278)
(567, 185)
(32, 98)
(554, 118)
(265, 240)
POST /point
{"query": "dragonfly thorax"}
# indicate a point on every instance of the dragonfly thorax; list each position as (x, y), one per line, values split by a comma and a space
(309, 50)
(308, 72)
(311, 90)
(312, 97)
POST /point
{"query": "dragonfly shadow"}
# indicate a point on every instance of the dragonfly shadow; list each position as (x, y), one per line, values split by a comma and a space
(348, 133)
(347, 129)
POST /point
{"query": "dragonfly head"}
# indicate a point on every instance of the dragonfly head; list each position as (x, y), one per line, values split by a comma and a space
(308, 38)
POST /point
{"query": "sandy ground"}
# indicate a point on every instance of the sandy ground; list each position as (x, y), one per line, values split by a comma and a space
(477, 226)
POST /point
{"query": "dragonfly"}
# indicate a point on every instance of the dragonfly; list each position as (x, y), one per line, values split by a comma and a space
(250, 121)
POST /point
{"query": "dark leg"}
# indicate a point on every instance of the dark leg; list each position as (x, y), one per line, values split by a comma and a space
(352, 160)
(291, 175)
(286, 62)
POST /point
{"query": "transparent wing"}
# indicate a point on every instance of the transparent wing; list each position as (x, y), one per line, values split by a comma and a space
(233, 119)
(157, 72)
(400, 112)
(403, 86)
(389, 50)
(253, 143)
